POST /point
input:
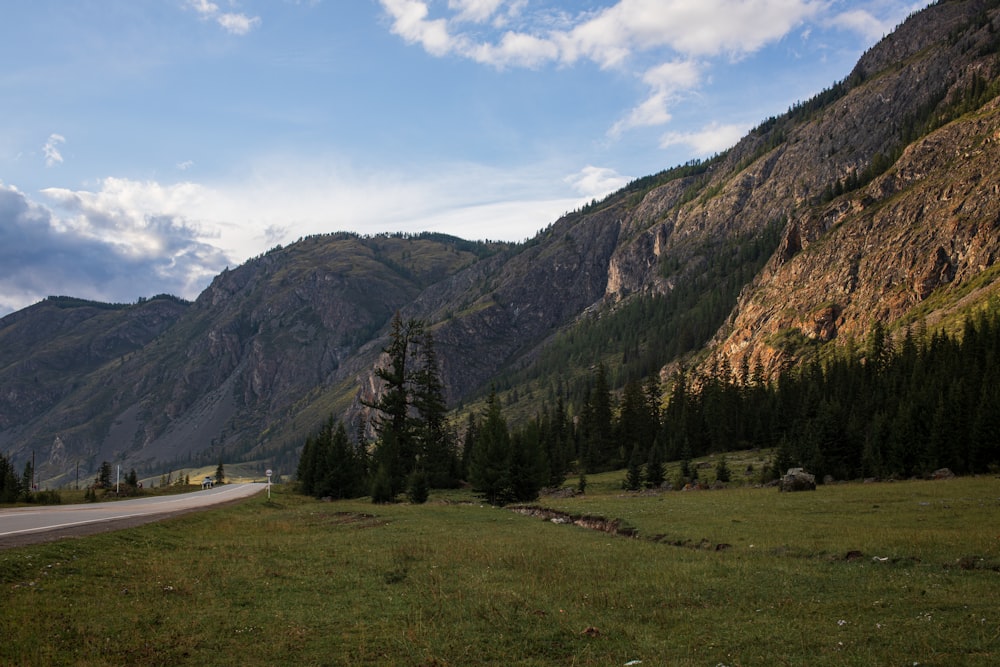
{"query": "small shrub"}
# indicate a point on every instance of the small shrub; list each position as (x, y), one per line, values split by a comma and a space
(417, 487)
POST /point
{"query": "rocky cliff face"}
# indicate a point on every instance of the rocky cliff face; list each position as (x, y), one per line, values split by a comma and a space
(883, 191)
(874, 253)
(928, 226)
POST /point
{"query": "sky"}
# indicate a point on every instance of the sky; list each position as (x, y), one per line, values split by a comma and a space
(146, 145)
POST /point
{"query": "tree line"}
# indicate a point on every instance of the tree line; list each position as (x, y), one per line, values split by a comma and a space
(881, 409)
(884, 411)
(415, 448)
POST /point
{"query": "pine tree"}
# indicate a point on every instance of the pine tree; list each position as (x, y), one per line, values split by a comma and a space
(307, 468)
(396, 449)
(633, 474)
(381, 489)
(104, 475)
(654, 474)
(600, 451)
(434, 443)
(526, 472)
(220, 474)
(722, 473)
(10, 484)
(631, 428)
(416, 487)
(468, 441)
(489, 471)
(27, 481)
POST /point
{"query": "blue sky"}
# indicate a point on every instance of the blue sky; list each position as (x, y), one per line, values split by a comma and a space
(145, 145)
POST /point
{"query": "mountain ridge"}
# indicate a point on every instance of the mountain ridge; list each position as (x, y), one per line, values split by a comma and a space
(875, 200)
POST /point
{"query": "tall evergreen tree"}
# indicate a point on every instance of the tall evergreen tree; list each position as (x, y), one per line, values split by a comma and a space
(104, 475)
(654, 474)
(633, 473)
(396, 449)
(28, 480)
(10, 484)
(600, 452)
(489, 471)
(634, 430)
(434, 442)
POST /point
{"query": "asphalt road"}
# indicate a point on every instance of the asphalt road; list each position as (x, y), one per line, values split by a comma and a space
(28, 525)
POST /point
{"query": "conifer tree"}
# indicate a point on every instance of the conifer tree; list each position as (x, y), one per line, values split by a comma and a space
(489, 471)
(600, 450)
(416, 487)
(27, 481)
(633, 474)
(527, 471)
(10, 484)
(434, 443)
(632, 429)
(654, 474)
(381, 489)
(722, 473)
(396, 449)
(104, 475)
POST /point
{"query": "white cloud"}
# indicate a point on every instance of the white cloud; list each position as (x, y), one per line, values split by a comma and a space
(411, 23)
(185, 165)
(864, 23)
(610, 36)
(476, 11)
(711, 139)
(679, 35)
(667, 82)
(93, 255)
(204, 7)
(51, 150)
(282, 198)
(129, 214)
(232, 22)
(238, 24)
(596, 182)
(517, 50)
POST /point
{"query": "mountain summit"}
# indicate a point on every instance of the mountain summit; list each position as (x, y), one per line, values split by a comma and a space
(875, 201)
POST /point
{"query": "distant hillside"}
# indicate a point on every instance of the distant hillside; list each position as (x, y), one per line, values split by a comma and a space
(875, 201)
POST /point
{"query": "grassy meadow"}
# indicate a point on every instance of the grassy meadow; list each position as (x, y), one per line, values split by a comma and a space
(852, 574)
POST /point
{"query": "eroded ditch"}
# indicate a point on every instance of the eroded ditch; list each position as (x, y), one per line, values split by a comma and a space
(611, 526)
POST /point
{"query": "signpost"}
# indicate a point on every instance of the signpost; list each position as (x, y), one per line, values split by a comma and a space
(268, 473)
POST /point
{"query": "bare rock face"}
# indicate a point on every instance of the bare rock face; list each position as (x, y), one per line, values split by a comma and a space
(930, 222)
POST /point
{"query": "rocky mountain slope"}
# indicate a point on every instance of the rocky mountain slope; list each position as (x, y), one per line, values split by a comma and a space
(876, 200)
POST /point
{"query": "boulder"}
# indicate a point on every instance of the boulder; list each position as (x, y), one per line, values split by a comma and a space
(797, 479)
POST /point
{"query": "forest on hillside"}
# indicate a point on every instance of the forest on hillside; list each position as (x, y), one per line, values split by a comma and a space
(882, 410)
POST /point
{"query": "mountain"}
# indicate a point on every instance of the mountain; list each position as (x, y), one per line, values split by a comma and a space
(874, 201)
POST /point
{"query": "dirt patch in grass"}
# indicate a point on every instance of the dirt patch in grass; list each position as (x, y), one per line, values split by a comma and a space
(357, 519)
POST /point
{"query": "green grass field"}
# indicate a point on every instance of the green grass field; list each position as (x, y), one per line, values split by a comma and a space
(854, 574)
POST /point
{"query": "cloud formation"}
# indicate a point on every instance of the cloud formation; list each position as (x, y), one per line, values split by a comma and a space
(232, 22)
(129, 238)
(679, 37)
(608, 37)
(596, 182)
(709, 140)
(103, 258)
(51, 150)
